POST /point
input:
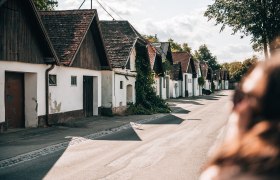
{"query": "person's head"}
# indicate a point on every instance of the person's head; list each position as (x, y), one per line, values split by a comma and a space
(259, 93)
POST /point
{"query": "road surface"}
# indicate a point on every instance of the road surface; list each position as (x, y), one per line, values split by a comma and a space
(172, 147)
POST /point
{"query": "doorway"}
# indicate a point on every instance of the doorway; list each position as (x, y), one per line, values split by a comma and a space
(129, 94)
(14, 100)
(88, 96)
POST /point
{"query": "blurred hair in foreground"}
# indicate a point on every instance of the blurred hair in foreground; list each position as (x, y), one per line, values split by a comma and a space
(251, 149)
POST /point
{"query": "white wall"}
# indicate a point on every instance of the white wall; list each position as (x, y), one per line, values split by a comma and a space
(175, 91)
(226, 85)
(107, 89)
(37, 81)
(190, 84)
(163, 87)
(120, 94)
(64, 97)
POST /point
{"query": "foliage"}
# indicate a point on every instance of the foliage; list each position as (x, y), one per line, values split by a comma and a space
(45, 4)
(147, 102)
(186, 48)
(175, 47)
(201, 81)
(259, 18)
(238, 69)
(151, 39)
(204, 54)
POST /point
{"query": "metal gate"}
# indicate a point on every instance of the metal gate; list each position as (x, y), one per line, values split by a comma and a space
(88, 96)
(14, 100)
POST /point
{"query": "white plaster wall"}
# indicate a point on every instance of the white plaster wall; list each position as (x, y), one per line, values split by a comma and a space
(175, 90)
(107, 88)
(207, 85)
(157, 85)
(163, 88)
(120, 94)
(31, 105)
(216, 85)
(226, 85)
(196, 87)
(37, 81)
(65, 97)
(190, 84)
(132, 60)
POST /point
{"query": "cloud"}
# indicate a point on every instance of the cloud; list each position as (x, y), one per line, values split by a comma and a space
(187, 26)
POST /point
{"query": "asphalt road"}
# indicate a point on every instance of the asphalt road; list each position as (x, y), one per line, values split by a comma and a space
(172, 147)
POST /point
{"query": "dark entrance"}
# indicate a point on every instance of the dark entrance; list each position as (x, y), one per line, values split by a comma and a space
(88, 96)
(14, 100)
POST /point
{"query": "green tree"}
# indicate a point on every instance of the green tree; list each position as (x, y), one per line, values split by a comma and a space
(204, 54)
(186, 48)
(151, 39)
(175, 47)
(238, 69)
(45, 4)
(259, 18)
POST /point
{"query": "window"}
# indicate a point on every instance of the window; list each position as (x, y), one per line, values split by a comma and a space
(73, 80)
(52, 80)
(121, 84)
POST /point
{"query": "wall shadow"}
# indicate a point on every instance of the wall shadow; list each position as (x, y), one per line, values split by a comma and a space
(169, 119)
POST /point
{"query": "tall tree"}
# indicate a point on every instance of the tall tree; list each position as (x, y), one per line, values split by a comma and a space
(186, 47)
(175, 47)
(151, 39)
(45, 4)
(204, 54)
(259, 18)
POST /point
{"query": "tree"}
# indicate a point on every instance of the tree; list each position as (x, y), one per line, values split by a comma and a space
(238, 69)
(186, 48)
(259, 18)
(204, 54)
(175, 47)
(45, 4)
(151, 39)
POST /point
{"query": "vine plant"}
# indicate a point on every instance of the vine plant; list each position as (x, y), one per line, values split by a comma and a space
(147, 102)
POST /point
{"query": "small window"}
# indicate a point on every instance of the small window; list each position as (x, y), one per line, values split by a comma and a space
(121, 84)
(52, 80)
(73, 80)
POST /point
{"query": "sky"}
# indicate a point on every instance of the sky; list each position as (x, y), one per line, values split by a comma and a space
(181, 20)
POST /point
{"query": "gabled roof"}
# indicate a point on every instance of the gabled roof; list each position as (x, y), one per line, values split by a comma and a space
(204, 69)
(183, 58)
(37, 20)
(120, 38)
(67, 30)
(165, 49)
(176, 72)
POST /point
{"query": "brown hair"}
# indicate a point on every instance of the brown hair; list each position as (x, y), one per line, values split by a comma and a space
(257, 150)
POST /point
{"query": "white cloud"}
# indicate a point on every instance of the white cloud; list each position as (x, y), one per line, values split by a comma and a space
(152, 17)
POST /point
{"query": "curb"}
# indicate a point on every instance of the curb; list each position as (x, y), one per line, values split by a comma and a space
(63, 145)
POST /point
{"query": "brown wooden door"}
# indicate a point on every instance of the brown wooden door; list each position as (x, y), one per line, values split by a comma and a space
(14, 100)
(88, 96)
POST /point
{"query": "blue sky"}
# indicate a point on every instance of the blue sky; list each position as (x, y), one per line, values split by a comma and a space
(181, 20)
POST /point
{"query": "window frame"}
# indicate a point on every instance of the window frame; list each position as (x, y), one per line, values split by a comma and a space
(74, 79)
(52, 81)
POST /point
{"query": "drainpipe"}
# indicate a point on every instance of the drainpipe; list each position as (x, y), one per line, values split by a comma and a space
(47, 93)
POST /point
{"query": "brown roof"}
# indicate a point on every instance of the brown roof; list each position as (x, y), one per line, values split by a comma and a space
(152, 54)
(176, 72)
(183, 58)
(204, 69)
(120, 38)
(67, 30)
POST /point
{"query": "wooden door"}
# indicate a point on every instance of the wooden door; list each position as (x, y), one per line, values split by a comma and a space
(14, 100)
(88, 96)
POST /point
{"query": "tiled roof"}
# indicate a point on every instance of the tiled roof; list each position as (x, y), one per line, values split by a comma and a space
(152, 54)
(176, 72)
(183, 58)
(67, 29)
(165, 50)
(204, 69)
(120, 38)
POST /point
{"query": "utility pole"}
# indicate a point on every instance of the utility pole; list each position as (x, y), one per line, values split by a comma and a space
(91, 4)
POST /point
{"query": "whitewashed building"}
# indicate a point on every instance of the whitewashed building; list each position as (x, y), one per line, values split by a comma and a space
(124, 44)
(164, 49)
(43, 72)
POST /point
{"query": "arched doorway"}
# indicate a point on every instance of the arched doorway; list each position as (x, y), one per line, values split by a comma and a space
(129, 94)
